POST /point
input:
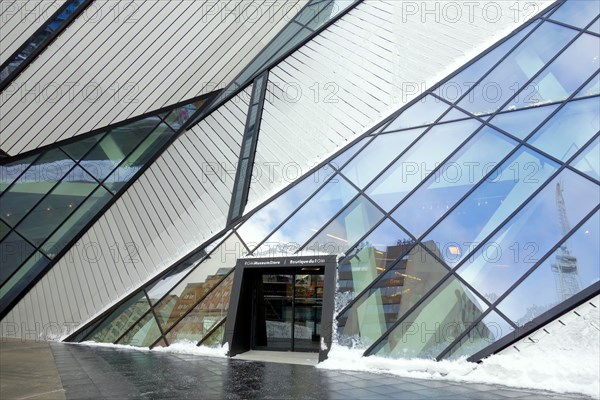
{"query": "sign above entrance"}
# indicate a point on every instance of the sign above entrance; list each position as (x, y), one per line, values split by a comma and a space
(286, 261)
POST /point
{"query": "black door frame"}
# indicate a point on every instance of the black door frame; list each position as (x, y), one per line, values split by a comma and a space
(239, 316)
(257, 277)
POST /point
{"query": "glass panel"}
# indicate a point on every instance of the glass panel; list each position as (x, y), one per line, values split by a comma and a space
(4, 229)
(377, 155)
(161, 287)
(140, 156)
(423, 112)
(199, 282)
(330, 8)
(121, 319)
(459, 84)
(274, 312)
(488, 205)
(519, 244)
(79, 148)
(76, 221)
(216, 338)
(595, 27)
(577, 13)
(308, 304)
(262, 223)
(419, 161)
(82, 334)
(588, 161)
(510, 76)
(341, 159)
(345, 230)
(14, 250)
(319, 10)
(491, 328)
(570, 269)
(521, 123)
(22, 277)
(300, 36)
(40, 36)
(375, 254)
(391, 297)
(263, 58)
(592, 88)
(569, 129)
(57, 206)
(179, 116)
(143, 334)
(310, 218)
(433, 325)
(10, 171)
(453, 115)
(211, 311)
(33, 185)
(564, 76)
(452, 181)
(236, 206)
(116, 146)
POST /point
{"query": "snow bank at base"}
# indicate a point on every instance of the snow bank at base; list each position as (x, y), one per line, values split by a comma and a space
(565, 362)
(182, 347)
(188, 347)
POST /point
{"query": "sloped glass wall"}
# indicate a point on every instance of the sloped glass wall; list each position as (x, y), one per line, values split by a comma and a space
(446, 217)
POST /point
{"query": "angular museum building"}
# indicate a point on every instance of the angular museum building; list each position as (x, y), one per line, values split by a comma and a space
(413, 179)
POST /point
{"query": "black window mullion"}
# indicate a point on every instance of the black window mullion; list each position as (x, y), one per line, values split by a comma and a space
(330, 220)
(270, 63)
(250, 138)
(33, 162)
(329, 179)
(83, 91)
(211, 331)
(66, 219)
(508, 134)
(495, 303)
(162, 334)
(107, 313)
(506, 158)
(44, 44)
(474, 251)
(35, 249)
(126, 156)
(96, 217)
(137, 321)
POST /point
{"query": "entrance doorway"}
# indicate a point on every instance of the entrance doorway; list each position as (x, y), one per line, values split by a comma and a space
(287, 309)
(282, 304)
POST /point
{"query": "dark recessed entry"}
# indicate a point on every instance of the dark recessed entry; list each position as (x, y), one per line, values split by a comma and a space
(282, 304)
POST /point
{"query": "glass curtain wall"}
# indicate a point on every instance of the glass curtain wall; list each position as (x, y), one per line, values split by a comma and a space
(449, 215)
(47, 199)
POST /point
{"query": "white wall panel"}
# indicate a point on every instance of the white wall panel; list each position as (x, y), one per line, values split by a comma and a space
(356, 72)
(124, 59)
(171, 209)
(19, 19)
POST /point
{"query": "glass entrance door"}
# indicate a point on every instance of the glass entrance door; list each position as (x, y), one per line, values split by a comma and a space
(287, 312)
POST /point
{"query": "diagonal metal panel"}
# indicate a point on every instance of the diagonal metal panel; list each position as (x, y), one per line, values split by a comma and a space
(376, 58)
(90, 77)
(179, 202)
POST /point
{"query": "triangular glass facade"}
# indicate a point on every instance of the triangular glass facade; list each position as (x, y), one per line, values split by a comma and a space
(468, 214)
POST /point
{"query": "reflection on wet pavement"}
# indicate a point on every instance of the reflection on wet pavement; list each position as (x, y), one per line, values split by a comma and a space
(89, 372)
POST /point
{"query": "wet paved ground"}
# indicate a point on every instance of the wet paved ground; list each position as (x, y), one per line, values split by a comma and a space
(97, 372)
